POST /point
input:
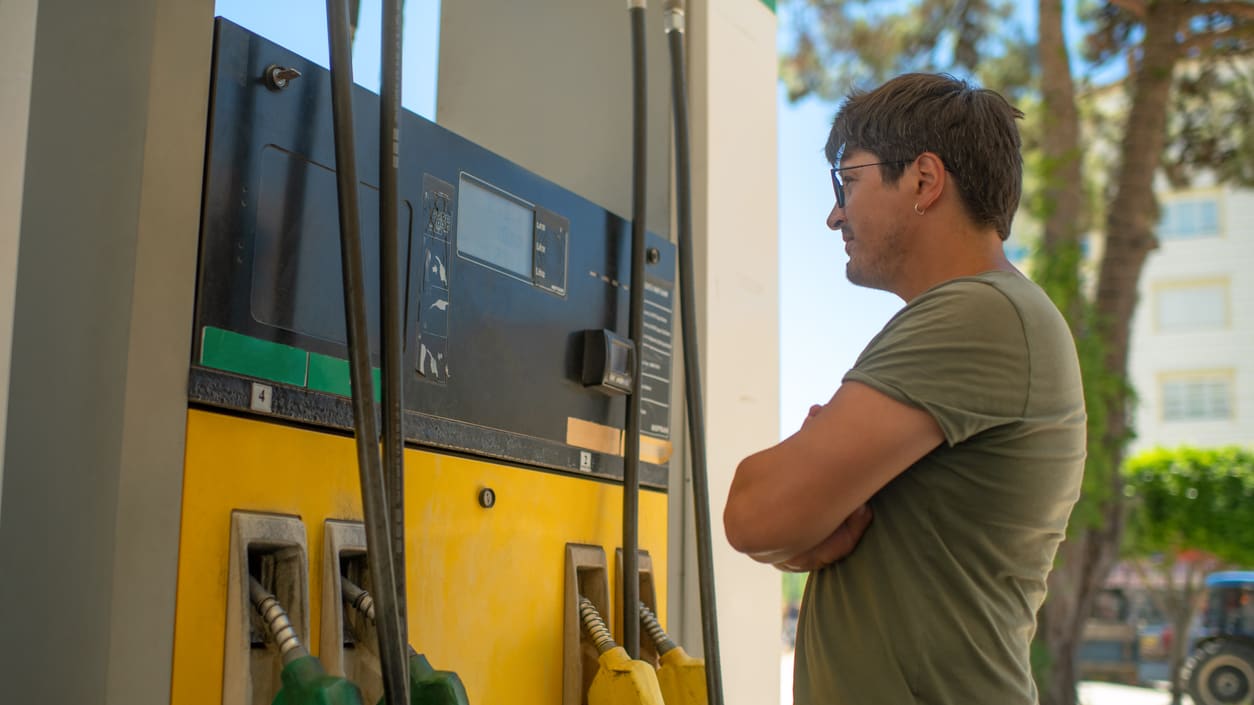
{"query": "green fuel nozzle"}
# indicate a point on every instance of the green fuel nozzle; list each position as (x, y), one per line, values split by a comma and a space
(304, 680)
(427, 686)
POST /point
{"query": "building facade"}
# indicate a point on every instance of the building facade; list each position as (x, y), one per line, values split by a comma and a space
(1192, 356)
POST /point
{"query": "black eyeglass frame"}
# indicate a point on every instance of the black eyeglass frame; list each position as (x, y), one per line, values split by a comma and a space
(839, 187)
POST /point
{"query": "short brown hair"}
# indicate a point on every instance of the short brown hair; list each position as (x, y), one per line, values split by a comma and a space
(971, 129)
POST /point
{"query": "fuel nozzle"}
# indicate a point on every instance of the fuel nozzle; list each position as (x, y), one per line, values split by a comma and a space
(680, 676)
(304, 680)
(427, 686)
(278, 626)
(357, 598)
(619, 678)
(661, 640)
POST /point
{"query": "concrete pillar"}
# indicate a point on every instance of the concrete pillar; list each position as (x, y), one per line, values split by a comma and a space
(101, 329)
(17, 56)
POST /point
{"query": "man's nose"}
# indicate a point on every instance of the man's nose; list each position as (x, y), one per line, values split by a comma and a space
(836, 219)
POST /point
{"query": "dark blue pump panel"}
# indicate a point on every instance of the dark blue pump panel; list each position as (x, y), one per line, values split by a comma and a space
(503, 271)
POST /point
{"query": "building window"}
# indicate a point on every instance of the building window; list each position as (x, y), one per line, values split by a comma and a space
(1191, 306)
(1185, 219)
(1200, 397)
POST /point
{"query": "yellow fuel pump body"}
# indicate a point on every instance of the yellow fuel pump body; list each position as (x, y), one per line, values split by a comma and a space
(485, 585)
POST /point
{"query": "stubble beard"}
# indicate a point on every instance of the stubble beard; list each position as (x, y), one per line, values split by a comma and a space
(879, 268)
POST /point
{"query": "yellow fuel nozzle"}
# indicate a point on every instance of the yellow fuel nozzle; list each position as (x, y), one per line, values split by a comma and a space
(681, 677)
(620, 680)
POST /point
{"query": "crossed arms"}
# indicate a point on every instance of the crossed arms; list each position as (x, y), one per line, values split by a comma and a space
(800, 504)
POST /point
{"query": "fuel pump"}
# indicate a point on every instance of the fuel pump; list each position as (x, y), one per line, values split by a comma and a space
(509, 454)
(512, 447)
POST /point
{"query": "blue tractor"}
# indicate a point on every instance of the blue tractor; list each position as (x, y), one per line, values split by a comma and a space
(1220, 670)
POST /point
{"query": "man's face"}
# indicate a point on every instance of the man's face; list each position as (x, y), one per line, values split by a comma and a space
(870, 222)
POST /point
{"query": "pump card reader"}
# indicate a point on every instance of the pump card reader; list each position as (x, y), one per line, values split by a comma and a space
(607, 362)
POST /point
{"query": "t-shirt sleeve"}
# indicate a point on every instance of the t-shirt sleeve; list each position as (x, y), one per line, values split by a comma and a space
(958, 352)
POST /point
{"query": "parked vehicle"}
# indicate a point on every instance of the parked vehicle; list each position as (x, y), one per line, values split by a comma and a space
(1154, 641)
(1108, 647)
(1220, 670)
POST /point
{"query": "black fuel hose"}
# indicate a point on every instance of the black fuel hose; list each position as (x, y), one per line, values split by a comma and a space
(674, 10)
(373, 490)
(390, 296)
(635, 331)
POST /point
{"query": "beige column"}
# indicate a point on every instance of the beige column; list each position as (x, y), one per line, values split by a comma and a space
(17, 56)
(101, 328)
(732, 75)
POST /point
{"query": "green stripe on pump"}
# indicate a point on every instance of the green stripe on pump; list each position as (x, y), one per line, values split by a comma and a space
(770, 4)
(224, 350)
(330, 374)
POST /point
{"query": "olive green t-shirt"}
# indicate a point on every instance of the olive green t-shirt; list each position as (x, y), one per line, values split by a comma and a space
(937, 604)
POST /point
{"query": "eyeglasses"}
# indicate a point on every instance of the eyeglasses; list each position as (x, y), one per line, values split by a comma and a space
(840, 188)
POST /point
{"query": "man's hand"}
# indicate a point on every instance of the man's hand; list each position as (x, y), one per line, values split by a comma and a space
(840, 543)
(833, 548)
(788, 500)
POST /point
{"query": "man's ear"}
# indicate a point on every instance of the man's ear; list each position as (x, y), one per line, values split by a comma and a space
(930, 180)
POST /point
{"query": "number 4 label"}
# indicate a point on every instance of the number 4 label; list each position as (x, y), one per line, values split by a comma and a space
(263, 398)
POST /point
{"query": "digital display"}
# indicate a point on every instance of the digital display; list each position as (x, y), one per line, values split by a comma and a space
(494, 228)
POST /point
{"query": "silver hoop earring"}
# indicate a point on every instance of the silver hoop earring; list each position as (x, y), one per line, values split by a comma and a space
(917, 210)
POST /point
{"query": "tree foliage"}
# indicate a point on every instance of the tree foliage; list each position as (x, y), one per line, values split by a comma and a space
(1191, 511)
(1191, 498)
(1210, 125)
(842, 44)
(838, 45)
(794, 585)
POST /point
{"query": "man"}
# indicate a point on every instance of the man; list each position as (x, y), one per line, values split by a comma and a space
(960, 429)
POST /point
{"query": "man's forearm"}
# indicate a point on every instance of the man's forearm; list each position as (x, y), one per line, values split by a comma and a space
(836, 546)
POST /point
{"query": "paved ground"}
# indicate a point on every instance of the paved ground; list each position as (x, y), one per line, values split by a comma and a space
(1111, 694)
(1090, 693)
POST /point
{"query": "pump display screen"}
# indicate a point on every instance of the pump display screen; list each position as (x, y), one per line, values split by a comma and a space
(494, 228)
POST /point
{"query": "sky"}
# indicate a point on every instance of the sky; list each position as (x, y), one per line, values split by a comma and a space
(301, 26)
(824, 320)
